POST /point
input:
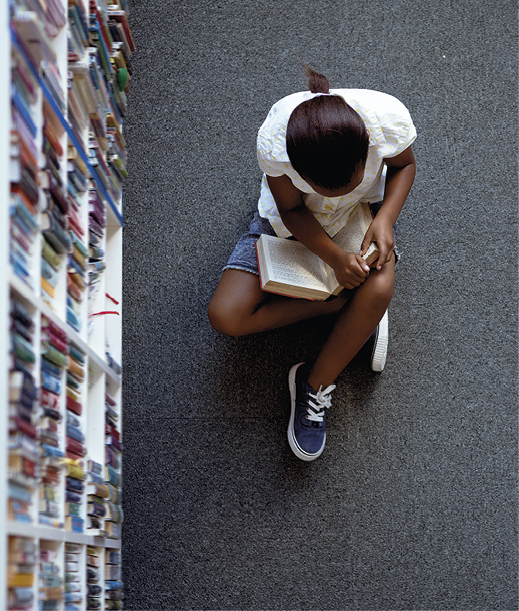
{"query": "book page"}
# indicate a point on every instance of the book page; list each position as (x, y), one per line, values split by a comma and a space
(294, 264)
(350, 237)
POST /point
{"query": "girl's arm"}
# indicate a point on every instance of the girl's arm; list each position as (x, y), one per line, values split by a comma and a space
(351, 270)
(399, 180)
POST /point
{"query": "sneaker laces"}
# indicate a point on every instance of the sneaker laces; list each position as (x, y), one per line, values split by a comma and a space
(324, 401)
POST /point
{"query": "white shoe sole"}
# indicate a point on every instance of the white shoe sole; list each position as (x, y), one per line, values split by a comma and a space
(291, 438)
(379, 355)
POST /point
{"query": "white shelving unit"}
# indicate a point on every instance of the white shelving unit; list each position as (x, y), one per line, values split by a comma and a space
(62, 101)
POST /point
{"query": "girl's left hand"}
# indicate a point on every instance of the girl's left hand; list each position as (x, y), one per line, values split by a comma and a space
(381, 232)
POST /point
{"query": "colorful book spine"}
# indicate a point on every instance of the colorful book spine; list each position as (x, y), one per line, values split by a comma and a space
(24, 454)
(54, 226)
(113, 594)
(78, 254)
(113, 464)
(54, 350)
(23, 170)
(73, 597)
(113, 581)
(21, 563)
(50, 590)
(75, 436)
(97, 492)
(94, 582)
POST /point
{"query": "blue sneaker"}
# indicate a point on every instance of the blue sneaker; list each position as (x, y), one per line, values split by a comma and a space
(380, 341)
(307, 426)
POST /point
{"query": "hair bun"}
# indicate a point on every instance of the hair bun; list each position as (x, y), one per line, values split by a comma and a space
(317, 83)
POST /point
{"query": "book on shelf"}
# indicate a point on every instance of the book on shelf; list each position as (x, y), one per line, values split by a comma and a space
(289, 268)
(21, 566)
(78, 39)
(113, 530)
(23, 444)
(50, 590)
(30, 30)
(114, 512)
(53, 350)
(73, 594)
(119, 18)
(51, 77)
(93, 560)
(94, 577)
(74, 524)
(52, 145)
(112, 572)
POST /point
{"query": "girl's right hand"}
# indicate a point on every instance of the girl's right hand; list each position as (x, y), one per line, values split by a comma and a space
(350, 269)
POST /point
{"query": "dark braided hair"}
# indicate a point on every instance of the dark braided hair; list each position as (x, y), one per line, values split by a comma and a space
(327, 140)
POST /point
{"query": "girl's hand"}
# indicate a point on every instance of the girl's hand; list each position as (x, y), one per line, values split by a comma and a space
(350, 269)
(381, 232)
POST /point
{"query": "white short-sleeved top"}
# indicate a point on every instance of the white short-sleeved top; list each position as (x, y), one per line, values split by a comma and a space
(391, 131)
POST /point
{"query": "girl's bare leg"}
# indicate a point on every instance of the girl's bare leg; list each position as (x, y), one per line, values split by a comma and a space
(240, 307)
(354, 326)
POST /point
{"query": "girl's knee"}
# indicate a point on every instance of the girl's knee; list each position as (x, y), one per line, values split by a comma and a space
(223, 320)
(385, 287)
(234, 302)
(218, 319)
(381, 286)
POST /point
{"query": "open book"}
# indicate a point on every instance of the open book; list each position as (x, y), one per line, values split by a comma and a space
(289, 268)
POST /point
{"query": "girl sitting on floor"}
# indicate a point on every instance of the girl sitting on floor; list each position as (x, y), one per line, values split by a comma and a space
(322, 152)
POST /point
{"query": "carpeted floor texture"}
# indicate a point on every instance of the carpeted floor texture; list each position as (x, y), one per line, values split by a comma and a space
(413, 504)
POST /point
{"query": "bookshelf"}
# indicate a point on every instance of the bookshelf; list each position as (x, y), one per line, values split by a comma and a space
(63, 83)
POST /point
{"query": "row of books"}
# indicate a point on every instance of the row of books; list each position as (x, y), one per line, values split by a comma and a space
(24, 449)
(56, 208)
(51, 14)
(95, 103)
(54, 351)
(104, 29)
(113, 585)
(99, 585)
(104, 503)
(57, 589)
(113, 467)
(35, 23)
(75, 441)
(110, 72)
(78, 37)
(21, 563)
(32, 121)
(35, 190)
(98, 492)
(23, 171)
(73, 587)
(94, 579)
(50, 586)
(35, 417)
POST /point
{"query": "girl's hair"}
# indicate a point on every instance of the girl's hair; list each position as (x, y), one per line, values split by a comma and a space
(326, 139)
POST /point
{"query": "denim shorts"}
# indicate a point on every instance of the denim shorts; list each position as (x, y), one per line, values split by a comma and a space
(244, 257)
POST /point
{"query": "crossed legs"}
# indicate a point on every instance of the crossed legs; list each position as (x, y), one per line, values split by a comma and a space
(240, 307)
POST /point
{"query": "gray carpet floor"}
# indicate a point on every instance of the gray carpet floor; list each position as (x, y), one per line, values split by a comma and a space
(413, 504)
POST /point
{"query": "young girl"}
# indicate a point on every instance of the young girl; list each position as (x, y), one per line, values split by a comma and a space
(322, 152)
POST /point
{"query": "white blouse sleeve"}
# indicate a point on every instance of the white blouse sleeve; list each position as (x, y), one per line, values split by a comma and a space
(396, 126)
(271, 141)
(271, 168)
